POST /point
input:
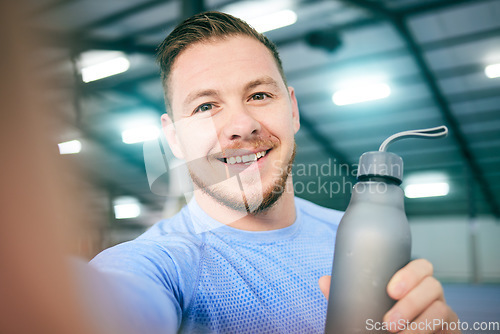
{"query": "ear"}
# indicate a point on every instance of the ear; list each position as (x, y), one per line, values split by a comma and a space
(295, 110)
(171, 135)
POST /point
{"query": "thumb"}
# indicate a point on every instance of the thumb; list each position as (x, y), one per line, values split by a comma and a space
(324, 285)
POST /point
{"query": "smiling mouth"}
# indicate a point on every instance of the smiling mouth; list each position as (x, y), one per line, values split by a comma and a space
(243, 159)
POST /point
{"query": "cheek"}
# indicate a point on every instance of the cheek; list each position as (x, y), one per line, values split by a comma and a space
(280, 124)
(198, 138)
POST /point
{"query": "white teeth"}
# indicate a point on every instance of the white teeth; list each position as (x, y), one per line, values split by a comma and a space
(245, 158)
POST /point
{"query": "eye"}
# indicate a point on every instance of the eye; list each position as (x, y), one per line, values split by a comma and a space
(204, 107)
(259, 96)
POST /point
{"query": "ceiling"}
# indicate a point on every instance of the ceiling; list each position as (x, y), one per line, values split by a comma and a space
(432, 53)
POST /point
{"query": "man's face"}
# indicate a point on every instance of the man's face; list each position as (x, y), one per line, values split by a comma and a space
(235, 121)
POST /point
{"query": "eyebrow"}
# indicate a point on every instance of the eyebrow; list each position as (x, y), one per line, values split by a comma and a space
(265, 80)
(200, 93)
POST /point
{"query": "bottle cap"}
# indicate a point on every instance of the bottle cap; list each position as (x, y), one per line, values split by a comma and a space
(385, 164)
(389, 165)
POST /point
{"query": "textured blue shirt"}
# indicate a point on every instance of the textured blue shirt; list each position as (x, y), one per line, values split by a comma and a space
(212, 278)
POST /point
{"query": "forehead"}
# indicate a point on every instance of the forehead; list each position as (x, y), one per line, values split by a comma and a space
(220, 64)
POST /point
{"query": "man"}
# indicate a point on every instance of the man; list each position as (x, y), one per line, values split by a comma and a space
(245, 255)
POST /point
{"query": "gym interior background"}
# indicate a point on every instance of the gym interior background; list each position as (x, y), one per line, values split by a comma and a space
(412, 64)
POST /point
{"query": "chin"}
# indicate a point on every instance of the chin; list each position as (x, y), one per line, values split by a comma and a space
(250, 201)
(255, 197)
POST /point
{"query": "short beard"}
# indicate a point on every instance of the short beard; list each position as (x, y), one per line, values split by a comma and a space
(269, 198)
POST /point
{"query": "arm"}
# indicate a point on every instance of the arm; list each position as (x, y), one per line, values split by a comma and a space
(149, 284)
(121, 302)
(37, 294)
(40, 292)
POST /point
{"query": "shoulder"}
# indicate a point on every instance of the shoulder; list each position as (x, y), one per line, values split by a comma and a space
(167, 255)
(178, 225)
(168, 248)
(314, 212)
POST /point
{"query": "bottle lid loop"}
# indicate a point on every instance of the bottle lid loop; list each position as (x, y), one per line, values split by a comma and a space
(437, 132)
(387, 164)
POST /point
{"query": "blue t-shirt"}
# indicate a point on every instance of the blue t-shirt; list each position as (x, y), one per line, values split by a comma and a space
(212, 278)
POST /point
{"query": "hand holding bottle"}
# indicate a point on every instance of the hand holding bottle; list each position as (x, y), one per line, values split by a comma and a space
(420, 299)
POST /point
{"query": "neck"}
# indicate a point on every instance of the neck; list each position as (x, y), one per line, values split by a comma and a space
(279, 215)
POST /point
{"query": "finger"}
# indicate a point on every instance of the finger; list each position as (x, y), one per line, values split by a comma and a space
(324, 285)
(408, 277)
(431, 320)
(416, 301)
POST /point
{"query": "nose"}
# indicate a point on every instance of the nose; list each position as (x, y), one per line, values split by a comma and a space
(240, 124)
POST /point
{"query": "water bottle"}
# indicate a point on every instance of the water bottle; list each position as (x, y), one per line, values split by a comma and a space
(373, 241)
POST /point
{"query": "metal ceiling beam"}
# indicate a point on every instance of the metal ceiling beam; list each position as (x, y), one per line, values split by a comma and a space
(433, 6)
(192, 7)
(77, 45)
(370, 6)
(108, 146)
(77, 41)
(51, 6)
(129, 45)
(353, 25)
(145, 100)
(399, 22)
(470, 95)
(170, 24)
(120, 149)
(102, 140)
(165, 26)
(408, 105)
(376, 8)
(394, 53)
(445, 109)
(462, 39)
(119, 189)
(326, 143)
(473, 95)
(116, 83)
(122, 14)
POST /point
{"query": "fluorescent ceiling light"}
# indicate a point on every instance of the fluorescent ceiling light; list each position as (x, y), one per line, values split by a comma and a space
(70, 147)
(276, 14)
(273, 21)
(492, 71)
(105, 69)
(427, 190)
(95, 65)
(363, 93)
(126, 207)
(141, 134)
(426, 184)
